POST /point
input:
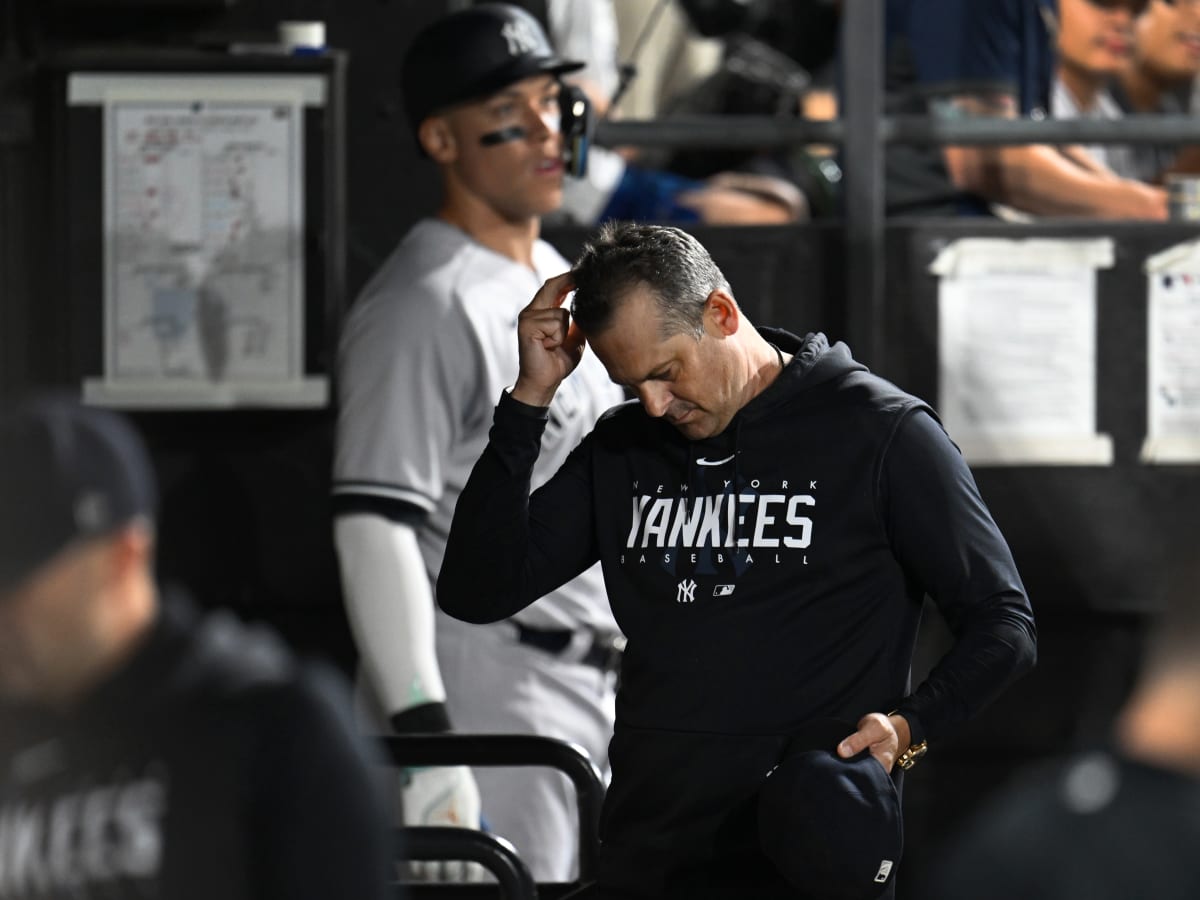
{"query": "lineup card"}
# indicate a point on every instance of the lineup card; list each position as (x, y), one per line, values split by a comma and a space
(203, 220)
(1017, 350)
(203, 228)
(1173, 356)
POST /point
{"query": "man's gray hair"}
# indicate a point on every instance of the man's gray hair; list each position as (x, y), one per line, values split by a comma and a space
(671, 263)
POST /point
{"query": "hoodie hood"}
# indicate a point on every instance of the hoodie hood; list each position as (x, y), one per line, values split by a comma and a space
(814, 362)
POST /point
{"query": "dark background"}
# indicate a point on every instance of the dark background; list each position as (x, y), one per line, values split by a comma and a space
(246, 519)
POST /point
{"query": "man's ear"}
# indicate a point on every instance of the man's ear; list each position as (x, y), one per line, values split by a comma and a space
(721, 313)
(132, 546)
(437, 139)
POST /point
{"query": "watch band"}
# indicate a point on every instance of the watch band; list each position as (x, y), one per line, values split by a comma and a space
(909, 757)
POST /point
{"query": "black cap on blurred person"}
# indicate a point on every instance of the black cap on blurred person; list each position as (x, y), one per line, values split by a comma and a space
(67, 473)
(831, 826)
(473, 53)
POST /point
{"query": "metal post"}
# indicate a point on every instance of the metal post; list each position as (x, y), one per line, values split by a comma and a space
(862, 161)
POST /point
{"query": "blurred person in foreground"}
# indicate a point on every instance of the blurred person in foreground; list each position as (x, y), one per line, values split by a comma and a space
(1114, 822)
(990, 59)
(147, 750)
(1166, 63)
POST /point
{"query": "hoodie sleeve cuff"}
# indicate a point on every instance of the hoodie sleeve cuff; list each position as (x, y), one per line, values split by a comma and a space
(915, 729)
(509, 403)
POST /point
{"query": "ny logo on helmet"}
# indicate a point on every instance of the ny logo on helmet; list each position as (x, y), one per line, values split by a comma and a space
(521, 38)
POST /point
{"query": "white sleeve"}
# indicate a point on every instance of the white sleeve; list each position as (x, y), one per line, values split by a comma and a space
(390, 607)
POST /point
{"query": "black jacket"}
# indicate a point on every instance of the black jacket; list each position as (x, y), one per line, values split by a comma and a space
(211, 765)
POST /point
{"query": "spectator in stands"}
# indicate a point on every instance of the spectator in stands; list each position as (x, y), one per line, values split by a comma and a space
(992, 58)
(617, 188)
(1115, 822)
(1166, 62)
(147, 750)
(1095, 43)
(778, 61)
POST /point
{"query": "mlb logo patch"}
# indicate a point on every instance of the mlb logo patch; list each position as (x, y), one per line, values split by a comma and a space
(723, 590)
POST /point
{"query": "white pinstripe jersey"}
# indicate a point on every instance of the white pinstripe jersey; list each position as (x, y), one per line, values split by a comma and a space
(424, 354)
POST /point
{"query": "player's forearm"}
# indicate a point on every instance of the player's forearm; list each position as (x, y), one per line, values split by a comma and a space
(992, 649)
(499, 557)
(389, 605)
(482, 576)
(945, 537)
(1038, 179)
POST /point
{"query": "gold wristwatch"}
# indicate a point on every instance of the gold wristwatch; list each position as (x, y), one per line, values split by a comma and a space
(909, 757)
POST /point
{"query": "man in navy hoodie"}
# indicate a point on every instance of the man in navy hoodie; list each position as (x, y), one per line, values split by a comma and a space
(147, 750)
(769, 516)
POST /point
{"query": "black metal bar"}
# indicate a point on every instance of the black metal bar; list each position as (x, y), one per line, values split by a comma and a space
(1133, 129)
(492, 852)
(717, 131)
(768, 131)
(335, 204)
(863, 184)
(516, 750)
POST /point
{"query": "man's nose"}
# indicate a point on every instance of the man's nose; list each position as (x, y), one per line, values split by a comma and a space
(545, 122)
(656, 400)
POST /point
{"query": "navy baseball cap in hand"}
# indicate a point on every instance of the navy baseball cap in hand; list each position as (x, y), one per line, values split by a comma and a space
(831, 826)
(67, 473)
(471, 54)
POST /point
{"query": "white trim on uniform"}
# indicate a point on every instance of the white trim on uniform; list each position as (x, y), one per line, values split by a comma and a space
(382, 490)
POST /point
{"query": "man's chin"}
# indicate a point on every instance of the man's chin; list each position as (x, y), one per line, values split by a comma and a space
(695, 430)
(551, 201)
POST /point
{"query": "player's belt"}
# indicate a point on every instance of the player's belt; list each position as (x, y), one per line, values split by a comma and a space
(604, 651)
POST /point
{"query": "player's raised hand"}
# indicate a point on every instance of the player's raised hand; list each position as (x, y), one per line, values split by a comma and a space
(551, 345)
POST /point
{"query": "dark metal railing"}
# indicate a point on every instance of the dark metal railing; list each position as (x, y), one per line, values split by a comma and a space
(494, 853)
(516, 750)
(744, 132)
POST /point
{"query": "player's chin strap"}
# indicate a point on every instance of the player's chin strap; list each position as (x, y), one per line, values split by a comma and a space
(575, 122)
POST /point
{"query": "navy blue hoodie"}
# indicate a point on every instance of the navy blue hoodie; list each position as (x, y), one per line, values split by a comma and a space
(765, 577)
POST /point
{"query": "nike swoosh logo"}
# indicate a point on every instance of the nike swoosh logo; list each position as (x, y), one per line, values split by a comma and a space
(714, 462)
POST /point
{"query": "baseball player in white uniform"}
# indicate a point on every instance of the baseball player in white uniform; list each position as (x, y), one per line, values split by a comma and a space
(425, 353)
